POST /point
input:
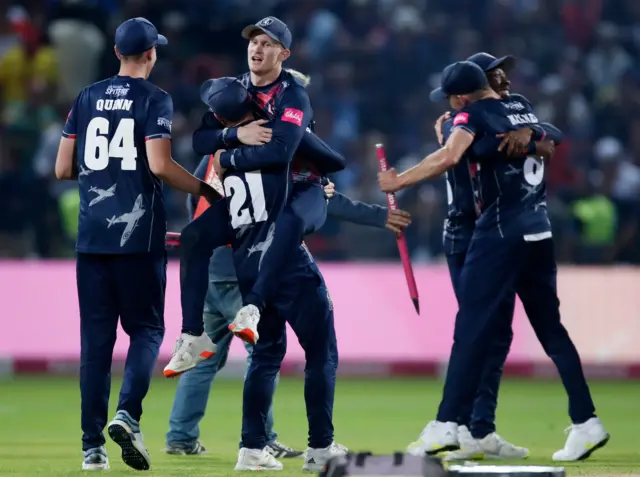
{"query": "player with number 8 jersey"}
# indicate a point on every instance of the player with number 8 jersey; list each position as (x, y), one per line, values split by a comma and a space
(117, 143)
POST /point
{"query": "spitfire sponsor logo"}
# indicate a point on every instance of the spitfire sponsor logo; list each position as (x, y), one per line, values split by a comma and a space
(117, 91)
(164, 123)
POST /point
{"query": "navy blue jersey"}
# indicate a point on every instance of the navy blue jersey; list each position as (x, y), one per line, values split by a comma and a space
(121, 201)
(510, 192)
(257, 182)
(461, 208)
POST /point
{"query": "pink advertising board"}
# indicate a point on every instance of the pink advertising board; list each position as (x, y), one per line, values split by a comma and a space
(374, 316)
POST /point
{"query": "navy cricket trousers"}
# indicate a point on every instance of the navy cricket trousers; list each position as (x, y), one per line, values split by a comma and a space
(198, 240)
(492, 270)
(303, 301)
(480, 415)
(111, 287)
(305, 213)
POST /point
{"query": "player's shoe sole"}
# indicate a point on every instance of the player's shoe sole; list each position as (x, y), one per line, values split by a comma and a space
(245, 334)
(101, 466)
(132, 455)
(441, 450)
(244, 467)
(599, 445)
(95, 466)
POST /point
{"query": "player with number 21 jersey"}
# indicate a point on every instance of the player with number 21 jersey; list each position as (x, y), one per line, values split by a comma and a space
(111, 120)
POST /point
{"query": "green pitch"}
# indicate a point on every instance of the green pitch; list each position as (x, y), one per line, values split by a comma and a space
(40, 424)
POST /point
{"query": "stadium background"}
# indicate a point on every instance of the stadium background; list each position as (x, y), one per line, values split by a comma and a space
(372, 64)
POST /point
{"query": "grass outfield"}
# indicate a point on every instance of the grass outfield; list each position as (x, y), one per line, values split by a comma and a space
(40, 424)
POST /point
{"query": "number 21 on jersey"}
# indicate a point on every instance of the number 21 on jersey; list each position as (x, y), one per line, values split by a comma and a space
(242, 209)
(98, 149)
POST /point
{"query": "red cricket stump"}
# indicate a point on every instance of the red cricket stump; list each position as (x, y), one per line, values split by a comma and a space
(402, 241)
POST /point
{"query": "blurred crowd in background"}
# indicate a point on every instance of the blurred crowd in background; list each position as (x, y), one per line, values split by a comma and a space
(372, 64)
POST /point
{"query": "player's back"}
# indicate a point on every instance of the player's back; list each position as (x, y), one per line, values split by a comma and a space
(121, 201)
(255, 200)
(511, 191)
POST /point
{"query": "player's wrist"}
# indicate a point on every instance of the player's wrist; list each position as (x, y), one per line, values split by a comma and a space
(531, 147)
(227, 160)
(230, 136)
(537, 133)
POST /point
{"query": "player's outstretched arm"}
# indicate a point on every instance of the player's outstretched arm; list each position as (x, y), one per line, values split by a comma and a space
(431, 166)
(293, 116)
(163, 166)
(157, 135)
(343, 208)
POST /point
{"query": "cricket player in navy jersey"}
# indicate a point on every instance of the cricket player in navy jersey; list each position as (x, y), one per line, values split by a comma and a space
(221, 305)
(513, 239)
(119, 132)
(458, 229)
(307, 210)
(257, 184)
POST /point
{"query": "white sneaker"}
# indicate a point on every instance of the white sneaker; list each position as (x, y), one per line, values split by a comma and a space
(316, 459)
(495, 447)
(245, 324)
(582, 441)
(435, 437)
(256, 459)
(188, 352)
(95, 459)
(134, 452)
(469, 447)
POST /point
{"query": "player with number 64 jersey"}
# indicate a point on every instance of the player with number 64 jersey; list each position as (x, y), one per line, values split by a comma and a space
(117, 144)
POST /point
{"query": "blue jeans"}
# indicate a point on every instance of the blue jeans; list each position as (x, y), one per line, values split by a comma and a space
(222, 303)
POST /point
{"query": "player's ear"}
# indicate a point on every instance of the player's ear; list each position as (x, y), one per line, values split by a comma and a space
(284, 54)
(148, 55)
(115, 49)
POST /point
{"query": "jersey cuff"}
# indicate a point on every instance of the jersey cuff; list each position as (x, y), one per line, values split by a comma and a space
(226, 160)
(158, 136)
(230, 136)
(461, 126)
(68, 135)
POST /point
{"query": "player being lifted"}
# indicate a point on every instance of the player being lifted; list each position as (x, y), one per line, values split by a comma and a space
(307, 208)
(120, 129)
(227, 98)
(513, 239)
(257, 184)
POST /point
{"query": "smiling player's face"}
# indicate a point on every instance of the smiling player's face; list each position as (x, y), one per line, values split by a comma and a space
(264, 54)
(498, 81)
